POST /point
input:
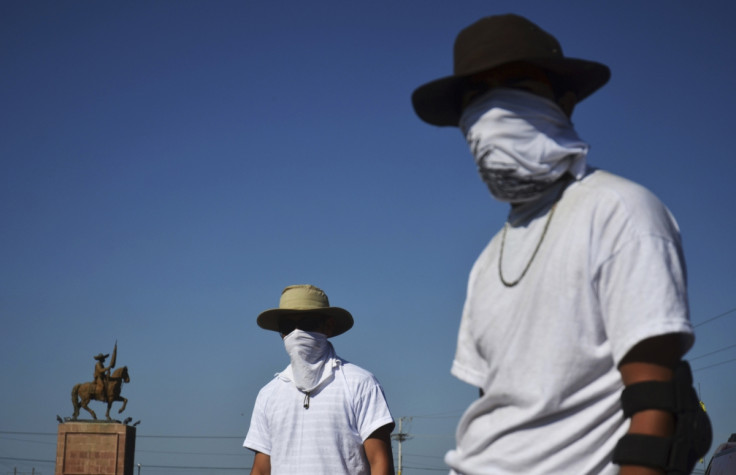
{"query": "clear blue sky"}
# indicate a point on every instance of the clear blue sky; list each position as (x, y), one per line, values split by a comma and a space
(167, 167)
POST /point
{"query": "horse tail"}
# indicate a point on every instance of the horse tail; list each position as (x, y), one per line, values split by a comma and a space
(75, 397)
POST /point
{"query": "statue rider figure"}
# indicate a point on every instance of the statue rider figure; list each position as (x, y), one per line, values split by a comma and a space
(101, 375)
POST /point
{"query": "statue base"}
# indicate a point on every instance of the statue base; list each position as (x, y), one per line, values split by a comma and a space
(95, 448)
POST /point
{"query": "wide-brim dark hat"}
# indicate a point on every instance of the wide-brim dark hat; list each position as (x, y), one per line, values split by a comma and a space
(496, 41)
(101, 357)
(305, 300)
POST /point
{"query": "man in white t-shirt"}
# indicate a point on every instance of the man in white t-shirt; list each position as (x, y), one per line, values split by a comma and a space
(583, 291)
(322, 414)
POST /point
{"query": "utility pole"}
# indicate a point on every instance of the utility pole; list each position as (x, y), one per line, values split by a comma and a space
(400, 437)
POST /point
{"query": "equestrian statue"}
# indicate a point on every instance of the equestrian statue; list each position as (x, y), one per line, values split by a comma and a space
(105, 387)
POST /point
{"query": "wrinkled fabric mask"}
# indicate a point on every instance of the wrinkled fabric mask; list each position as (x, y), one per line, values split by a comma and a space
(309, 353)
(522, 143)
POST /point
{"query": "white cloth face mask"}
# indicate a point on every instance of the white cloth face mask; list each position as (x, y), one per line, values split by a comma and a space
(309, 353)
(522, 143)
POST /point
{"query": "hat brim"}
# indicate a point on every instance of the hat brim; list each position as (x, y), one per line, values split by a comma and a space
(439, 102)
(269, 319)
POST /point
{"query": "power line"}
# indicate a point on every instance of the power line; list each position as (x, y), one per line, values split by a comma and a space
(28, 440)
(716, 317)
(238, 437)
(441, 415)
(712, 352)
(442, 457)
(139, 436)
(175, 452)
(180, 467)
(16, 459)
(716, 364)
(172, 467)
(428, 468)
(432, 436)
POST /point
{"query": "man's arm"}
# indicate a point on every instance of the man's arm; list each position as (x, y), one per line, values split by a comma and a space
(653, 359)
(261, 464)
(378, 451)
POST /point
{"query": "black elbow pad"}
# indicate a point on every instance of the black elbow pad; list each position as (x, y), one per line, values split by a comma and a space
(693, 433)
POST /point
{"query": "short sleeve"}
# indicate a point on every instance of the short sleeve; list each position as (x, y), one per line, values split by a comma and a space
(259, 435)
(371, 408)
(643, 293)
(469, 365)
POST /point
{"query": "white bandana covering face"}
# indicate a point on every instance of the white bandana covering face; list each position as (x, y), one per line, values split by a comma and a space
(309, 352)
(522, 143)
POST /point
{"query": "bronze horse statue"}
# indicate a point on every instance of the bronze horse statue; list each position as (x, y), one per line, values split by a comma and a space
(83, 393)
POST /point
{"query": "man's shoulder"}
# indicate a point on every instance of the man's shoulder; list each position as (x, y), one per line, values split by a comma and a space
(614, 200)
(354, 372)
(273, 385)
(603, 180)
(603, 186)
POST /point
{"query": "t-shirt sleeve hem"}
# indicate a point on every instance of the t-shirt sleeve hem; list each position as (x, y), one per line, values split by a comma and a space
(467, 375)
(375, 426)
(683, 328)
(256, 447)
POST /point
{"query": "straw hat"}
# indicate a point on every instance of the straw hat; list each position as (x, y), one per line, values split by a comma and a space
(305, 300)
(497, 41)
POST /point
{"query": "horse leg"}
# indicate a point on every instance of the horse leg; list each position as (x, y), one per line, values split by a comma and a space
(85, 399)
(125, 403)
(84, 405)
(109, 405)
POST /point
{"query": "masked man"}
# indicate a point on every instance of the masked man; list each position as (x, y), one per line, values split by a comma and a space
(581, 294)
(321, 414)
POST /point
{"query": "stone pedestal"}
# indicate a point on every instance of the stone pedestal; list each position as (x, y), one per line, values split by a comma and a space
(95, 448)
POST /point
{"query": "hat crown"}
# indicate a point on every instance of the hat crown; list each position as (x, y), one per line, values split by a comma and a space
(303, 297)
(502, 39)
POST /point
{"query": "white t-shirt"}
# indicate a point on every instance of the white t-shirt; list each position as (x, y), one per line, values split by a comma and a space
(326, 438)
(608, 274)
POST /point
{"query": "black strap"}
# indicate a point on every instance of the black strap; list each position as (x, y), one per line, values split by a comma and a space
(645, 450)
(673, 396)
(649, 395)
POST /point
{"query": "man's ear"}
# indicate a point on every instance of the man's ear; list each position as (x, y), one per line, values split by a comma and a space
(567, 102)
(328, 327)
